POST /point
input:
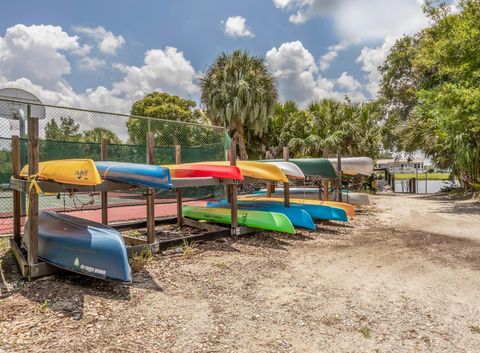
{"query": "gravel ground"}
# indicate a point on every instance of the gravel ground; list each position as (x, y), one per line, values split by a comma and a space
(402, 276)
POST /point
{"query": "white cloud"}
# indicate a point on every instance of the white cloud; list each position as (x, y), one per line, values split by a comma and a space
(32, 58)
(107, 42)
(163, 70)
(370, 59)
(298, 76)
(36, 52)
(90, 64)
(333, 50)
(236, 26)
(357, 20)
(348, 82)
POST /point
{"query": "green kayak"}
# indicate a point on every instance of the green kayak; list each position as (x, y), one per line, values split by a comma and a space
(256, 219)
(320, 167)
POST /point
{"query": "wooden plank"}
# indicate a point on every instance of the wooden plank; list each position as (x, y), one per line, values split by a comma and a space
(233, 188)
(178, 160)
(130, 225)
(104, 195)
(133, 240)
(286, 186)
(16, 193)
(340, 175)
(32, 217)
(150, 192)
(202, 225)
(21, 260)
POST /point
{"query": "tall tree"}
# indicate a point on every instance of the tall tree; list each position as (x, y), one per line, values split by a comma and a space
(97, 134)
(437, 84)
(68, 130)
(168, 108)
(239, 93)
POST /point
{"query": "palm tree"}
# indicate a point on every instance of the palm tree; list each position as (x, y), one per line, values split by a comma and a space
(239, 93)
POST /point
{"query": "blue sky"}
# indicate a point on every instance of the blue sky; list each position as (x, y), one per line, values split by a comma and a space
(106, 54)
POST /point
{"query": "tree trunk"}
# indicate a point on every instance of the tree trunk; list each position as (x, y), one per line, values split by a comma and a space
(242, 150)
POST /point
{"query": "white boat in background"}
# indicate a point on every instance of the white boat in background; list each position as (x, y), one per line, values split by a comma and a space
(355, 165)
(290, 169)
(353, 198)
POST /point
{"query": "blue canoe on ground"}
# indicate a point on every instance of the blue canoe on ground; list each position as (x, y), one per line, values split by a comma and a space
(82, 246)
(152, 176)
(298, 217)
(315, 211)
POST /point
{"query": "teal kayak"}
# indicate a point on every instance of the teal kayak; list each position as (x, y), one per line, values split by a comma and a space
(298, 217)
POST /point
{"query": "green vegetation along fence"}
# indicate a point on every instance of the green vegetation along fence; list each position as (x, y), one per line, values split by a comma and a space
(77, 133)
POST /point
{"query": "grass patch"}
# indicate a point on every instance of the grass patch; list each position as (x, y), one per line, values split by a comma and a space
(139, 261)
(45, 306)
(365, 331)
(188, 248)
(421, 176)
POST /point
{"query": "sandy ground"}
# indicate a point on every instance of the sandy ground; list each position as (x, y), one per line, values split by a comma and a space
(403, 276)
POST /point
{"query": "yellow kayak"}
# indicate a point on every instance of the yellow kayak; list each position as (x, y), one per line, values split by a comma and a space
(67, 171)
(349, 209)
(249, 169)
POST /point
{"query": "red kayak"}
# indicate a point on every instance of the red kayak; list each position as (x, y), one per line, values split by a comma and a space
(205, 170)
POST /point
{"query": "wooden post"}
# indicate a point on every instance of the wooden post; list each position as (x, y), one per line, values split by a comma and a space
(104, 195)
(340, 175)
(32, 217)
(150, 192)
(392, 182)
(325, 190)
(233, 188)
(286, 186)
(16, 194)
(178, 160)
(269, 183)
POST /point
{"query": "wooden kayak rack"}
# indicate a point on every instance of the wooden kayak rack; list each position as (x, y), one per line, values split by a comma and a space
(32, 267)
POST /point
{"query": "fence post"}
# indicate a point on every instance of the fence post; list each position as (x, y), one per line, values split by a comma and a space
(178, 160)
(16, 194)
(150, 192)
(32, 217)
(286, 186)
(325, 190)
(104, 195)
(233, 188)
(340, 175)
(392, 182)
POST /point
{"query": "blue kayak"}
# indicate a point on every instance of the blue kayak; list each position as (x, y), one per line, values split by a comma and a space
(152, 176)
(298, 217)
(82, 246)
(315, 211)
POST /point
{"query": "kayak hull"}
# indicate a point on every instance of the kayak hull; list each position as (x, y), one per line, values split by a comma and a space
(298, 217)
(315, 211)
(251, 218)
(82, 246)
(205, 170)
(152, 176)
(67, 171)
(254, 170)
(355, 165)
(290, 169)
(349, 209)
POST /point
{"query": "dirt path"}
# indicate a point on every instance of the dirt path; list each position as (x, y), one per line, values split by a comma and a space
(403, 276)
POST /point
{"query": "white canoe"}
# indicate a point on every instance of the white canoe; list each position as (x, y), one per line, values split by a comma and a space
(290, 169)
(355, 165)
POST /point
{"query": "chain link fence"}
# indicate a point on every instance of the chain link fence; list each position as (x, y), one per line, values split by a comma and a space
(76, 133)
